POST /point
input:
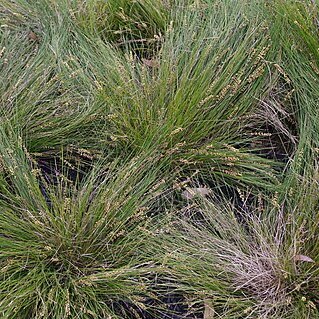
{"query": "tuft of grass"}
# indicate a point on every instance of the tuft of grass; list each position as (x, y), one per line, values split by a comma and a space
(192, 102)
(231, 264)
(294, 32)
(136, 25)
(248, 265)
(75, 250)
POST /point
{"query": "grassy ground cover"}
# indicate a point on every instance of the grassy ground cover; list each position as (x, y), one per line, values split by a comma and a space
(159, 159)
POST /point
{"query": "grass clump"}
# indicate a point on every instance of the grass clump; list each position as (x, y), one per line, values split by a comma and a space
(248, 265)
(137, 25)
(298, 21)
(191, 102)
(74, 250)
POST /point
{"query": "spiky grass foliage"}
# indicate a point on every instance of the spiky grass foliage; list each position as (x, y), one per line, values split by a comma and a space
(302, 243)
(136, 25)
(227, 262)
(190, 102)
(299, 22)
(34, 98)
(78, 250)
(248, 265)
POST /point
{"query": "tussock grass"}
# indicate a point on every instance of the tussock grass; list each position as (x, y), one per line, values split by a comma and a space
(248, 266)
(299, 23)
(78, 250)
(135, 25)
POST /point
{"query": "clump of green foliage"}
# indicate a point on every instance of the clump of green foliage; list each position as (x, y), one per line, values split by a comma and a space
(75, 249)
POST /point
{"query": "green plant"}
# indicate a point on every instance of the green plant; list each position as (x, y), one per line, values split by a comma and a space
(248, 265)
(193, 103)
(137, 25)
(294, 32)
(75, 249)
